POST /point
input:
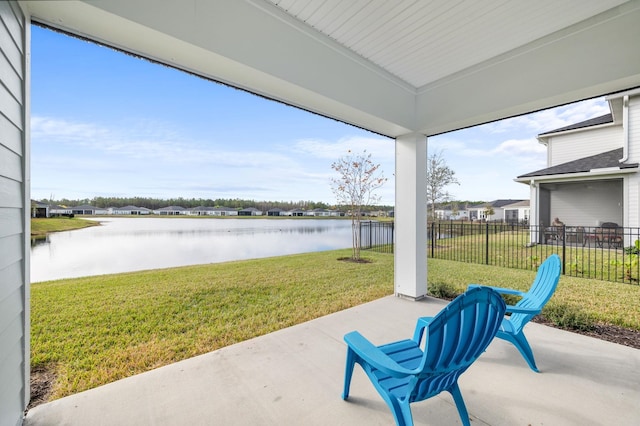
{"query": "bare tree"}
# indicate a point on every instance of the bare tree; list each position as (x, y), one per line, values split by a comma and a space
(358, 179)
(439, 176)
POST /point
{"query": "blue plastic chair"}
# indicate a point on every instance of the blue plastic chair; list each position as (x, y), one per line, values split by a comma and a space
(406, 371)
(528, 306)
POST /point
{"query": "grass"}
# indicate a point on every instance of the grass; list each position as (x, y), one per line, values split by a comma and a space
(40, 227)
(91, 331)
(96, 330)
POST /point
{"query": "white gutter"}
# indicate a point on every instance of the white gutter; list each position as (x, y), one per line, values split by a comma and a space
(625, 129)
(612, 172)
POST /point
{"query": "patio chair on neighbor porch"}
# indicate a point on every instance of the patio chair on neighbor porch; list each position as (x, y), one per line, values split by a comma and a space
(528, 306)
(410, 371)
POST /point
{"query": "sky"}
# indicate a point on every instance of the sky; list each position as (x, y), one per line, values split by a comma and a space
(106, 124)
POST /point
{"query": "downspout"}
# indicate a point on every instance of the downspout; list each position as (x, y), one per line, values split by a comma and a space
(625, 129)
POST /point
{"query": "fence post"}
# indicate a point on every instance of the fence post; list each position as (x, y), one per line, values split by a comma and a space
(486, 245)
(564, 249)
(433, 247)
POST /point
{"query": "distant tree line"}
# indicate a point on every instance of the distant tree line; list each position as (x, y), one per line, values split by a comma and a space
(234, 203)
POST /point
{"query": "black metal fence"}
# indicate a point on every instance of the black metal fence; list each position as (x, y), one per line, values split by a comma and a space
(377, 236)
(605, 252)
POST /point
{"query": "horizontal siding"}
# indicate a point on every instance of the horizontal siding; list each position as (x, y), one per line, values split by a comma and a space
(10, 77)
(10, 135)
(572, 146)
(10, 251)
(12, 280)
(10, 164)
(14, 309)
(10, 193)
(11, 369)
(10, 222)
(10, 309)
(10, 107)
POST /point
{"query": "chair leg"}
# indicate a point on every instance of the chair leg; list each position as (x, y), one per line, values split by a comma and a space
(520, 342)
(348, 372)
(462, 408)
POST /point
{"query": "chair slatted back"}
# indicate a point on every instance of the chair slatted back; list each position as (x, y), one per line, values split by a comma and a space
(456, 337)
(540, 292)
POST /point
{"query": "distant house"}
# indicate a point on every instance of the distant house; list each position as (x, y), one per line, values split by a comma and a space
(56, 210)
(39, 209)
(518, 212)
(224, 211)
(275, 212)
(201, 211)
(450, 212)
(490, 211)
(295, 212)
(318, 213)
(250, 211)
(86, 209)
(130, 210)
(171, 211)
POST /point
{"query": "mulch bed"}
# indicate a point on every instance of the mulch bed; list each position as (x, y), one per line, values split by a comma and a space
(609, 333)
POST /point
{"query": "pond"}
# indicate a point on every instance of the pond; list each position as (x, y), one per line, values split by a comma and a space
(134, 244)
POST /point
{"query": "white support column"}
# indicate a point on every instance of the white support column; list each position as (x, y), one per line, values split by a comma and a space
(411, 216)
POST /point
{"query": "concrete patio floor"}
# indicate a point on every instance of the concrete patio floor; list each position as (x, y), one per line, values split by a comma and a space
(294, 377)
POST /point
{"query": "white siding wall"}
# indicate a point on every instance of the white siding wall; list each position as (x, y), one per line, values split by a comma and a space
(14, 190)
(575, 145)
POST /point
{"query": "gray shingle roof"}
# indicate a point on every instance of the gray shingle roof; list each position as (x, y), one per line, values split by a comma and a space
(598, 161)
(604, 119)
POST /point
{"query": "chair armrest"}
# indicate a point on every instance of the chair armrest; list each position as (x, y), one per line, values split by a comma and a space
(520, 310)
(374, 356)
(500, 289)
(421, 324)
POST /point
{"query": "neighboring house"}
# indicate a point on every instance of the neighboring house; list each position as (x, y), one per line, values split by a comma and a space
(451, 212)
(250, 211)
(518, 212)
(88, 210)
(592, 169)
(224, 211)
(130, 210)
(171, 211)
(55, 210)
(39, 209)
(318, 213)
(275, 212)
(294, 212)
(201, 211)
(491, 211)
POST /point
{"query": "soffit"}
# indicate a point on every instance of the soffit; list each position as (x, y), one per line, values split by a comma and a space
(423, 41)
(393, 67)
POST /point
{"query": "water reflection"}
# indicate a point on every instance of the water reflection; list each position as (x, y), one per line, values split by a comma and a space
(132, 244)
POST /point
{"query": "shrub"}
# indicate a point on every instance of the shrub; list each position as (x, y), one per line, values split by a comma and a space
(442, 290)
(568, 317)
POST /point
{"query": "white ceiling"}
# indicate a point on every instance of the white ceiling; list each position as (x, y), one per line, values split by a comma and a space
(423, 41)
(393, 67)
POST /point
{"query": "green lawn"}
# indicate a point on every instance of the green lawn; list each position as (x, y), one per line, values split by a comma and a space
(94, 330)
(40, 227)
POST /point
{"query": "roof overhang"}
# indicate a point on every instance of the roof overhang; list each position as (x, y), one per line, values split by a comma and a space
(596, 174)
(265, 49)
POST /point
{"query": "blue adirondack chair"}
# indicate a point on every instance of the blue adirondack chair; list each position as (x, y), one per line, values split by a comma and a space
(528, 306)
(408, 371)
